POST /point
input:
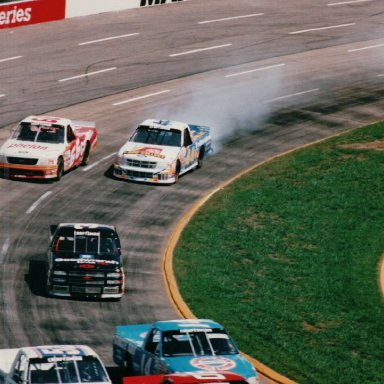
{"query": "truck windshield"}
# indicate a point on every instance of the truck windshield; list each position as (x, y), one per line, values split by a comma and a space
(146, 135)
(197, 342)
(70, 242)
(66, 369)
(39, 133)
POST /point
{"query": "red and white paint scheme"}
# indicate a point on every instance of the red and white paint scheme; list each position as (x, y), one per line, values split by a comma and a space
(44, 147)
(198, 377)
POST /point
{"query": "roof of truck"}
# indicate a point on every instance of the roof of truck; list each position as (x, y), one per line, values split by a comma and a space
(164, 124)
(186, 324)
(48, 120)
(58, 350)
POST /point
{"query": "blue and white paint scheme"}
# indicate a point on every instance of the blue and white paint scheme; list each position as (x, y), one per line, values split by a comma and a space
(179, 346)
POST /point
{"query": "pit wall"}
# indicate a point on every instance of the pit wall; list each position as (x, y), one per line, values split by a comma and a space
(24, 12)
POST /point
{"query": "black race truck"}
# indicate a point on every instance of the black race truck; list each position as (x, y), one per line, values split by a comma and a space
(84, 260)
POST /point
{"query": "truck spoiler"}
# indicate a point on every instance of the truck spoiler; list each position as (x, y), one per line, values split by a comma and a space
(199, 128)
(134, 333)
(7, 357)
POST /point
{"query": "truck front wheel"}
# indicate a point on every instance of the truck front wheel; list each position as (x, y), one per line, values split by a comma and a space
(128, 367)
(60, 169)
(177, 171)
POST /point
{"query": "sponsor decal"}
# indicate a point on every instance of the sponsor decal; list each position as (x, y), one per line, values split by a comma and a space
(28, 146)
(88, 261)
(64, 358)
(45, 120)
(144, 3)
(87, 266)
(86, 233)
(203, 330)
(60, 350)
(213, 363)
(87, 257)
(30, 12)
(146, 151)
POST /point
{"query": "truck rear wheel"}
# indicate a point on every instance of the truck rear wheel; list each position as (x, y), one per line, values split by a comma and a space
(86, 155)
(200, 158)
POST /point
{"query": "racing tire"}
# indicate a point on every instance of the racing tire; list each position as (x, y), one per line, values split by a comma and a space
(200, 158)
(177, 172)
(128, 367)
(60, 169)
(86, 155)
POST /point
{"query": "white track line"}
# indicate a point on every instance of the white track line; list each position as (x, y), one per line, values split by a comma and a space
(108, 38)
(98, 162)
(10, 58)
(87, 74)
(4, 249)
(230, 18)
(367, 47)
(200, 50)
(255, 70)
(2, 95)
(141, 97)
(292, 95)
(348, 2)
(37, 202)
(321, 28)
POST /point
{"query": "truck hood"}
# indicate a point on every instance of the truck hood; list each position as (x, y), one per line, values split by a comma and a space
(136, 333)
(150, 152)
(29, 149)
(234, 363)
(7, 356)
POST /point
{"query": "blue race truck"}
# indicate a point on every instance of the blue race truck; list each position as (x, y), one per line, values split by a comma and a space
(179, 346)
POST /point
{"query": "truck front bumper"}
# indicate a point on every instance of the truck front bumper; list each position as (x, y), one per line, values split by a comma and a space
(160, 177)
(27, 172)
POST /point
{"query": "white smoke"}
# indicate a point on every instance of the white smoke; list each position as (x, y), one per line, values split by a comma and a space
(231, 106)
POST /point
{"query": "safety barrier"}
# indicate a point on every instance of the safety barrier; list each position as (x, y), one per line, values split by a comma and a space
(23, 12)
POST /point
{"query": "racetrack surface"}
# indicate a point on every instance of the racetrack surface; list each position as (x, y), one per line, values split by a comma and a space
(265, 83)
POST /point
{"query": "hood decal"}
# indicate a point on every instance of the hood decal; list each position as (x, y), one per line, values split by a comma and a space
(28, 146)
(146, 151)
(213, 363)
(87, 261)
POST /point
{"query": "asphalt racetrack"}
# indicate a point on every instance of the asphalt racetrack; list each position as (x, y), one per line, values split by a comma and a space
(266, 77)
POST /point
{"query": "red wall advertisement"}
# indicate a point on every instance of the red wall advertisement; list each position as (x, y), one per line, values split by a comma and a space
(17, 13)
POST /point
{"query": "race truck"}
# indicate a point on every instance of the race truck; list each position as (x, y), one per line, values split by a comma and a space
(44, 147)
(52, 364)
(198, 377)
(179, 346)
(159, 151)
(84, 260)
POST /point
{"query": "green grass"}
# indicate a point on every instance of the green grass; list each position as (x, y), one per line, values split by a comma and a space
(286, 258)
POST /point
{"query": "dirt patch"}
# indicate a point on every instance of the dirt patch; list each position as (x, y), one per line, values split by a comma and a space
(315, 328)
(377, 145)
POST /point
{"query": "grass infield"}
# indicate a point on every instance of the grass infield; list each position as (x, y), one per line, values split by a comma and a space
(287, 257)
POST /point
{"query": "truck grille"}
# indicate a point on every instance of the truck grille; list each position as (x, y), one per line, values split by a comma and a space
(21, 160)
(86, 278)
(141, 163)
(139, 174)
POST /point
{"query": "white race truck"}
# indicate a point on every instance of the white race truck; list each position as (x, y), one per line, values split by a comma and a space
(160, 151)
(52, 364)
(44, 147)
